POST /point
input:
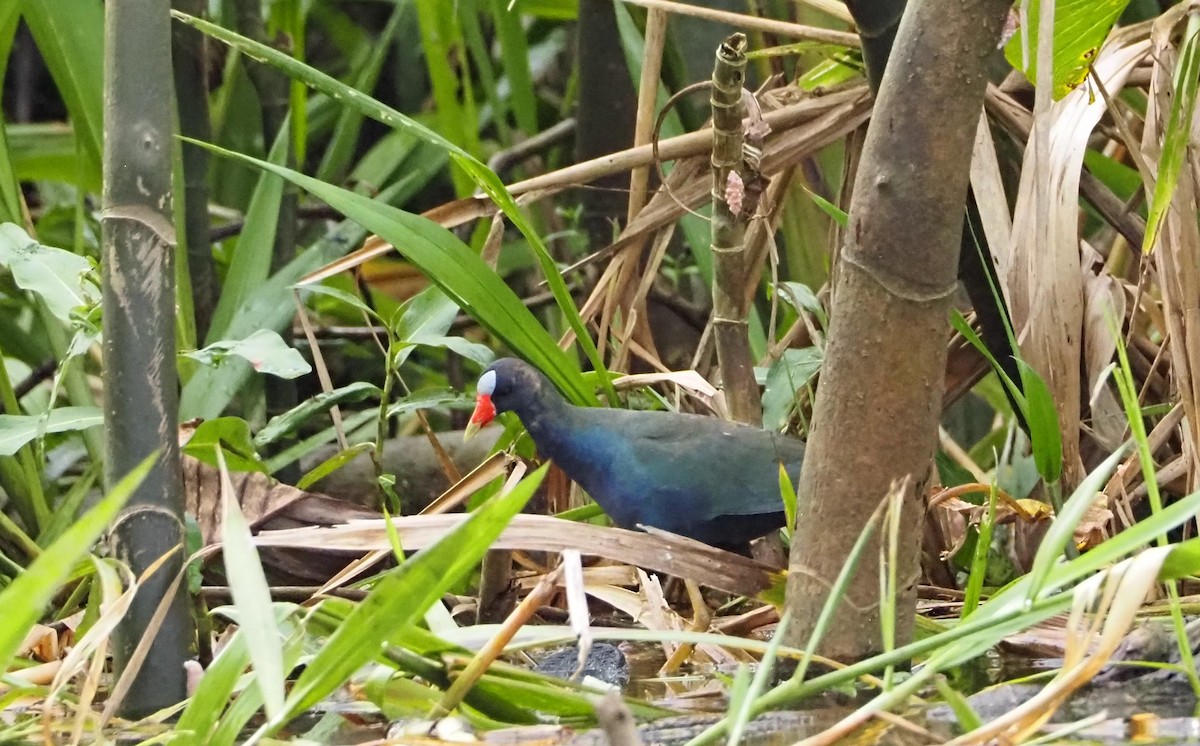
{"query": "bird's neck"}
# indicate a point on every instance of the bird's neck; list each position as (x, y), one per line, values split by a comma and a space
(549, 421)
(566, 435)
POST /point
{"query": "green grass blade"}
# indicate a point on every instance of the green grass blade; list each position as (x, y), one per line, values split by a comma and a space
(1062, 530)
(441, 38)
(340, 149)
(1042, 416)
(251, 264)
(453, 267)
(1177, 134)
(24, 599)
(484, 177)
(251, 596)
(514, 51)
(402, 597)
(10, 188)
(472, 33)
(70, 37)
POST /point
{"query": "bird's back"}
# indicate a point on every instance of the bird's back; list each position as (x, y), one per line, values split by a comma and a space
(702, 477)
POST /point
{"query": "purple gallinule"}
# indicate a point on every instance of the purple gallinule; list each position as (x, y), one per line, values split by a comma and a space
(700, 477)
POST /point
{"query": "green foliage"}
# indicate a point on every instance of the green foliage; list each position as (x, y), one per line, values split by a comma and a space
(400, 598)
(460, 273)
(28, 594)
(491, 78)
(265, 350)
(17, 430)
(1080, 27)
(1177, 134)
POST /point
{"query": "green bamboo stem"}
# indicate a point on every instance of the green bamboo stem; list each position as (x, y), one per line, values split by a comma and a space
(140, 383)
(188, 57)
(729, 218)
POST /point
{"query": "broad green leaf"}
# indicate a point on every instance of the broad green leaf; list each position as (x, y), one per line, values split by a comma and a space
(46, 151)
(801, 297)
(453, 267)
(480, 354)
(429, 313)
(209, 390)
(1123, 180)
(285, 423)
(17, 430)
(1176, 136)
(26, 597)
(265, 350)
(401, 597)
(348, 298)
(1080, 28)
(790, 373)
(1182, 562)
(59, 277)
(10, 16)
(232, 436)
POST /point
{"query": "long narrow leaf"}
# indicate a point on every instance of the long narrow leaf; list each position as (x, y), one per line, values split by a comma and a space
(1176, 136)
(27, 596)
(251, 596)
(251, 264)
(402, 597)
(70, 37)
(17, 430)
(451, 265)
(484, 177)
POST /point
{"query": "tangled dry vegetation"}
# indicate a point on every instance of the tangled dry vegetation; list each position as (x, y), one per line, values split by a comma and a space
(1061, 192)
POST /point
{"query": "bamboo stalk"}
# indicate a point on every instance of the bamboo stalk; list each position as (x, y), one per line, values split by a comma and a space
(141, 409)
(731, 204)
(188, 49)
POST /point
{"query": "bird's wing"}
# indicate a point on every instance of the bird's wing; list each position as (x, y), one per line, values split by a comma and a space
(715, 467)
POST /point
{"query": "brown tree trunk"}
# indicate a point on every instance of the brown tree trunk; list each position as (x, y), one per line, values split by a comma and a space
(876, 412)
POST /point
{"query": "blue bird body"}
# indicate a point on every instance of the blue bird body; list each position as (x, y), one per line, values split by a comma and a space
(701, 477)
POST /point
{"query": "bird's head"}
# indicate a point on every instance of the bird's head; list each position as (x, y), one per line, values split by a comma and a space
(507, 385)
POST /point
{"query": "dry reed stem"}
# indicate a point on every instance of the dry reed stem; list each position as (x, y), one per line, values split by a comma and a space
(754, 23)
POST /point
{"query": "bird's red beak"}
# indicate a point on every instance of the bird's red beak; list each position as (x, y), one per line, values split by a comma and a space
(484, 413)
